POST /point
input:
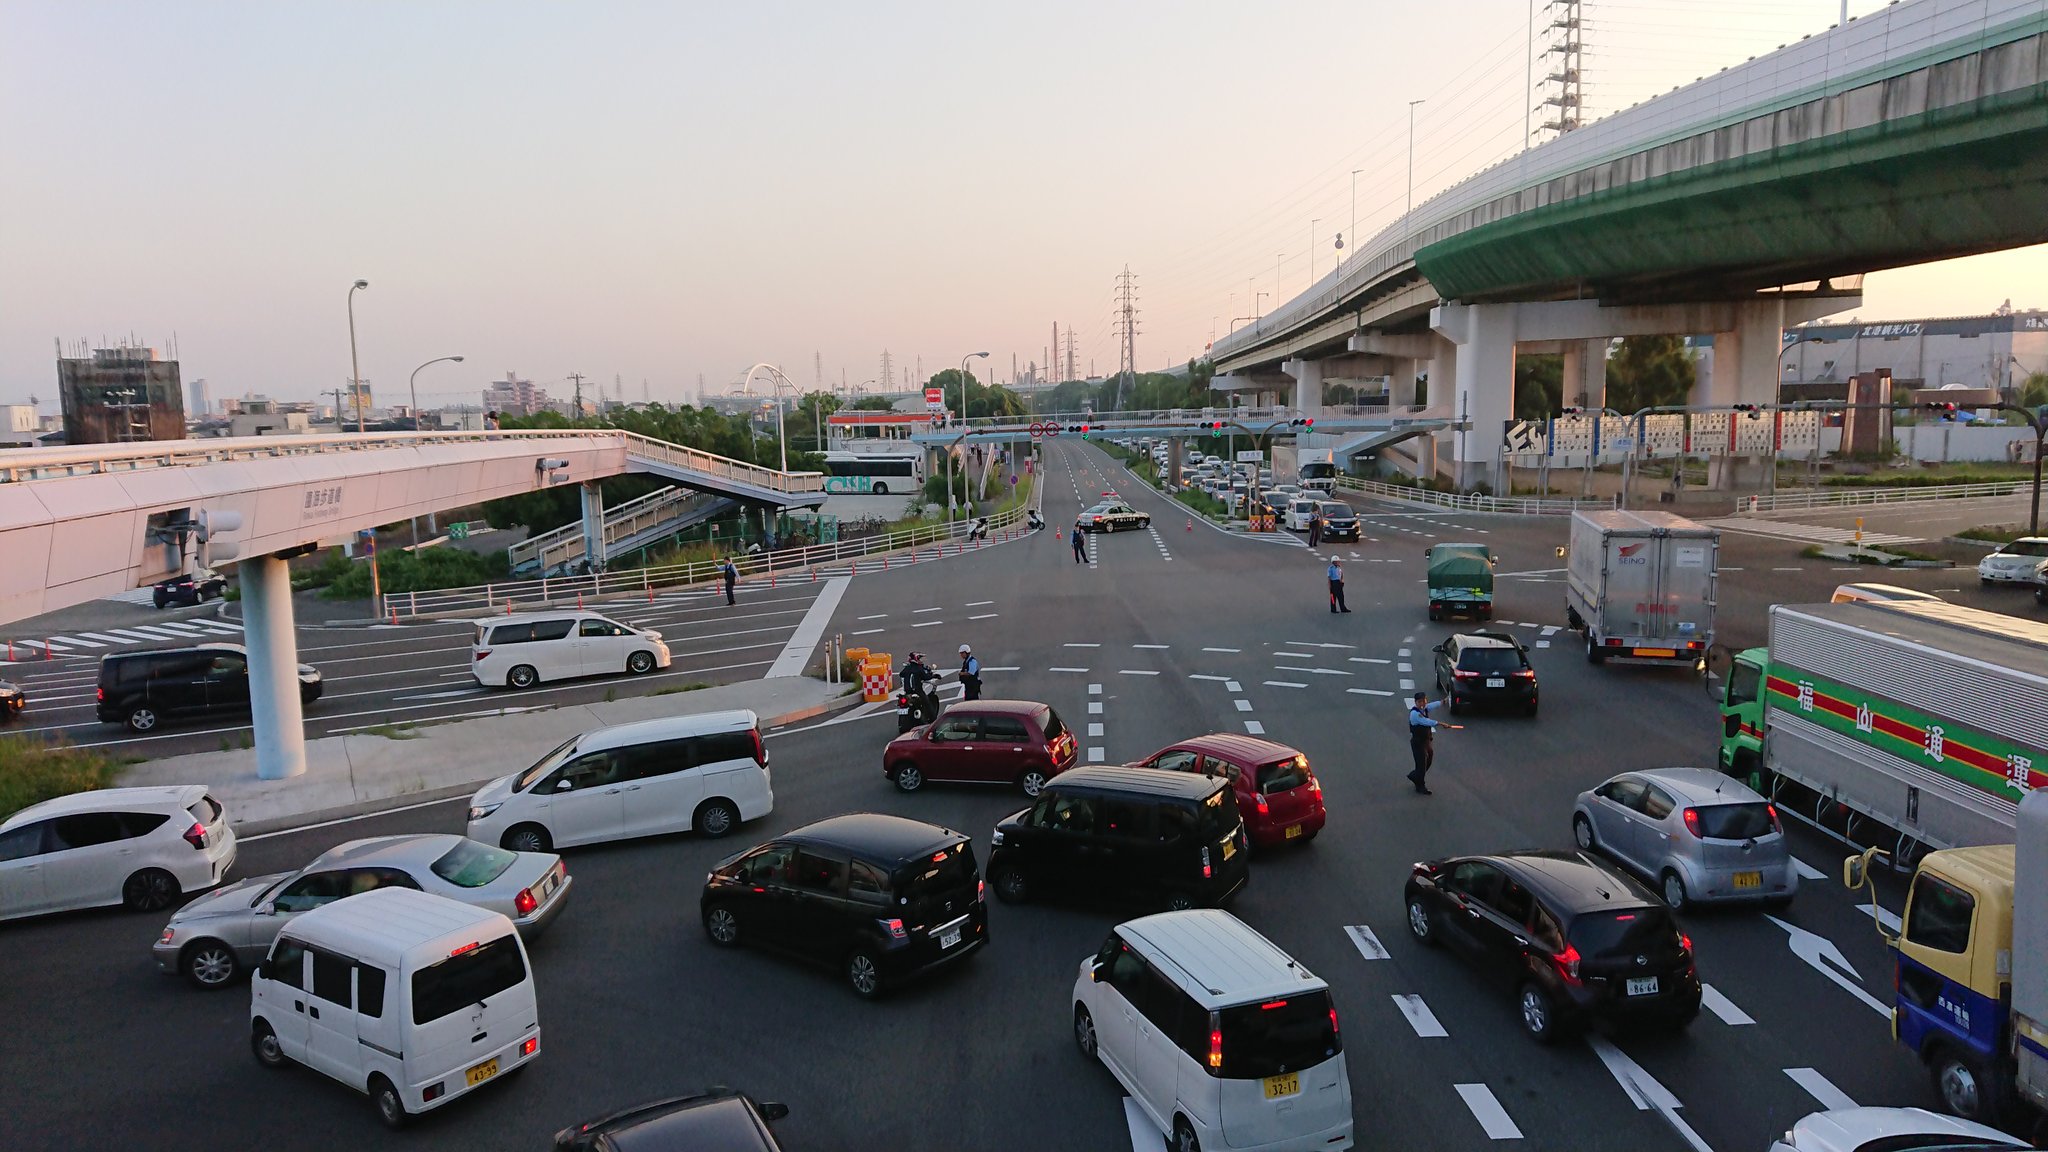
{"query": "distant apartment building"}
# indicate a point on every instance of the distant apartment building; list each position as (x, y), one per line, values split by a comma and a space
(1996, 352)
(120, 395)
(19, 426)
(198, 399)
(514, 397)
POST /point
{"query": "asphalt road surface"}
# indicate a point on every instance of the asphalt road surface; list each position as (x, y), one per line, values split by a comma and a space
(1159, 635)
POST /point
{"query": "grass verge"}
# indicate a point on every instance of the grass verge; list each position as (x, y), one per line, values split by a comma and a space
(34, 770)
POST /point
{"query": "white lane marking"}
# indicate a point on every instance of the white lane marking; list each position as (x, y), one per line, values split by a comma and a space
(1368, 945)
(984, 616)
(1817, 1086)
(1643, 1089)
(1001, 668)
(1144, 1134)
(176, 626)
(157, 632)
(1404, 666)
(1419, 1016)
(1493, 1119)
(218, 627)
(1407, 685)
(810, 630)
(1543, 643)
(1080, 645)
(1284, 684)
(1369, 691)
(928, 624)
(868, 632)
(1231, 686)
(1820, 954)
(1095, 707)
(1066, 669)
(1095, 729)
(76, 642)
(1369, 660)
(1095, 689)
(1255, 728)
(1807, 871)
(979, 603)
(1160, 647)
(1719, 1005)
(876, 616)
(1292, 656)
(108, 639)
(1550, 630)
(1137, 672)
(1404, 651)
(1201, 676)
(1095, 755)
(230, 625)
(1243, 705)
(1233, 651)
(1317, 644)
(443, 695)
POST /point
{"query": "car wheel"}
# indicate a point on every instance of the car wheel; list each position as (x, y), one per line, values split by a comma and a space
(522, 676)
(1419, 924)
(1964, 1089)
(715, 818)
(1184, 1139)
(263, 1042)
(723, 926)
(1179, 901)
(1673, 888)
(150, 890)
(640, 663)
(158, 600)
(1539, 1014)
(1084, 1032)
(863, 974)
(1032, 781)
(390, 1108)
(142, 719)
(526, 838)
(209, 964)
(1144, 521)
(908, 777)
(1582, 833)
(1011, 887)
(1434, 615)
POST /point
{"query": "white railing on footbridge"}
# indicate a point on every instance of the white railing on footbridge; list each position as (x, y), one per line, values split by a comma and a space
(1854, 497)
(1468, 502)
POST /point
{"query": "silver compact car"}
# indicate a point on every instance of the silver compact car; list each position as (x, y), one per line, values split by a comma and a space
(2013, 563)
(1695, 834)
(219, 936)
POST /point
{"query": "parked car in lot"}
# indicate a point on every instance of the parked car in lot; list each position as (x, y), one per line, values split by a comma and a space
(879, 897)
(2013, 563)
(1223, 1040)
(1340, 522)
(194, 587)
(1891, 1130)
(212, 940)
(143, 689)
(525, 649)
(13, 700)
(138, 847)
(1277, 793)
(1019, 742)
(1110, 516)
(1572, 938)
(1699, 836)
(705, 773)
(1881, 593)
(1485, 668)
(715, 1120)
(1128, 835)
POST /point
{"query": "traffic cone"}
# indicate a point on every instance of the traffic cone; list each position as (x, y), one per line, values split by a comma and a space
(1191, 523)
(1056, 534)
(394, 617)
(771, 577)
(579, 600)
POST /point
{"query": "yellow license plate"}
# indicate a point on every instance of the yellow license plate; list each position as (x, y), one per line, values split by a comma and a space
(483, 1072)
(1229, 848)
(1656, 652)
(1284, 1085)
(1749, 879)
(1293, 830)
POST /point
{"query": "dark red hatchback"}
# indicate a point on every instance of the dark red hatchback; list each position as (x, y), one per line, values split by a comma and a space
(1276, 792)
(1019, 742)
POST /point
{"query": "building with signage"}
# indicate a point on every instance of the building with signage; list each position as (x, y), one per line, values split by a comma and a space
(119, 396)
(1996, 352)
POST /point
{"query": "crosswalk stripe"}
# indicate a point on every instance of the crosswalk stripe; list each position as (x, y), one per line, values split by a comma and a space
(214, 626)
(158, 632)
(180, 626)
(108, 639)
(133, 636)
(76, 642)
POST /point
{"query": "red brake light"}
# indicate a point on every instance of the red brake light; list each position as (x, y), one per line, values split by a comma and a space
(1527, 674)
(472, 946)
(895, 929)
(524, 903)
(482, 652)
(1269, 1005)
(196, 836)
(529, 1046)
(1684, 942)
(1612, 642)
(939, 859)
(981, 891)
(1567, 963)
(1773, 810)
(1692, 823)
(1260, 800)
(1333, 1021)
(1215, 1048)
(760, 749)
(1461, 674)
(99, 695)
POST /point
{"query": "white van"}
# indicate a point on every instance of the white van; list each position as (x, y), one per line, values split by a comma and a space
(1300, 512)
(523, 649)
(1222, 1039)
(707, 773)
(411, 998)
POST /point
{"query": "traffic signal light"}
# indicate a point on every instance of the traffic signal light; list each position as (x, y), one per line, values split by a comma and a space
(1755, 411)
(1947, 412)
(1303, 422)
(1214, 425)
(1573, 412)
(1084, 431)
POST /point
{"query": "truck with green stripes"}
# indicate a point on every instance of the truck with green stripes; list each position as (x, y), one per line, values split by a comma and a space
(1908, 725)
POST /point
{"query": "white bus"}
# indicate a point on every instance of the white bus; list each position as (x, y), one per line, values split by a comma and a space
(873, 473)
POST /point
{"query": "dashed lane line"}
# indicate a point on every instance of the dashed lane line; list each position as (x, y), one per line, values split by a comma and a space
(1066, 670)
(1283, 684)
(1820, 1088)
(1713, 1001)
(1369, 691)
(1493, 1119)
(1368, 945)
(1255, 728)
(1243, 705)
(1419, 1016)
(1232, 651)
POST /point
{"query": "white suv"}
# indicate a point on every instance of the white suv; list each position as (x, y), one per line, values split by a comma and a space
(142, 847)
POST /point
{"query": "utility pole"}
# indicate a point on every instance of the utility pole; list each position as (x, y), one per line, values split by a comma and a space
(1127, 328)
(1312, 251)
(338, 394)
(1070, 352)
(577, 411)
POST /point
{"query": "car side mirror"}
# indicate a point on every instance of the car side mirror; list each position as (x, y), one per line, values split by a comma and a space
(772, 1110)
(267, 908)
(1560, 551)
(564, 784)
(1731, 724)
(1856, 869)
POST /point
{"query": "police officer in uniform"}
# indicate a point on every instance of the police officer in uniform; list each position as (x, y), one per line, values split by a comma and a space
(1422, 739)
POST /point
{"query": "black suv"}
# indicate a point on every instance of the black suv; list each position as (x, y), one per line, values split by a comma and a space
(1140, 835)
(1485, 668)
(715, 1118)
(140, 689)
(193, 588)
(1339, 521)
(878, 896)
(1573, 937)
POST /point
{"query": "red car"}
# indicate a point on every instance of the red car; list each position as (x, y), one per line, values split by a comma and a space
(1276, 792)
(1019, 742)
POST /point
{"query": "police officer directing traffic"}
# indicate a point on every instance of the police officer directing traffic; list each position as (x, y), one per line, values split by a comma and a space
(1422, 739)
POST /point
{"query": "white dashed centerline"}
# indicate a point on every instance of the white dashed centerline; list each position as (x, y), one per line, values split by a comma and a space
(1419, 1016)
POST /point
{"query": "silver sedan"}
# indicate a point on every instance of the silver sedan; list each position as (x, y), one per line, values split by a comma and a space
(1695, 834)
(229, 930)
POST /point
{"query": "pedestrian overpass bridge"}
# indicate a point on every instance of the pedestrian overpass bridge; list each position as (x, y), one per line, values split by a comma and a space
(1733, 206)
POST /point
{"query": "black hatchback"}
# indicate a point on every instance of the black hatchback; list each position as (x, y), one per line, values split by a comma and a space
(1339, 521)
(1485, 668)
(879, 897)
(1573, 938)
(717, 1118)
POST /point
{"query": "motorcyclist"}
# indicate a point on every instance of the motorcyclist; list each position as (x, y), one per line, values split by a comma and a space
(917, 704)
(1034, 521)
(979, 531)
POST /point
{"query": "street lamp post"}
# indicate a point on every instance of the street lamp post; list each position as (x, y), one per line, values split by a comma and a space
(777, 380)
(355, 372)
(413, 383)
(963, 421)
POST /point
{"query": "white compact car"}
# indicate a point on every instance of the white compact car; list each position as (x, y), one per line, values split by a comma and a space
(2014, 563)
(522, 650)
(1892, 1129)
(141, 847)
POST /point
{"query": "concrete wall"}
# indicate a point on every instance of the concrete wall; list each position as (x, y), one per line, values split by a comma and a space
(1948, 442)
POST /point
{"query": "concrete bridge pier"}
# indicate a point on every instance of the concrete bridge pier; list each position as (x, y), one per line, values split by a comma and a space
(275, 713)
(1306, 397)
(1744, 370)
(593, 525)
(1482, 385)
(1585, 374)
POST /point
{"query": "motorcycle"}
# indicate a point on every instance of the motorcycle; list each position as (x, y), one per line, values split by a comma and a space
(915, 710)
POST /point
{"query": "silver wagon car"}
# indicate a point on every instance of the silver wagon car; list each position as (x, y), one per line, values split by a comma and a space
(213, 939)
(1695, 834)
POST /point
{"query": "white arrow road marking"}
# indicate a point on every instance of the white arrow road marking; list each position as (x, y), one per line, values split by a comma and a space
(1368, 945)
(1723, 1007)
(1644, 1091)
(1807, 871)
(1419, 1016)
(1817, 1085)
(1491, 1116)
(1823, 957)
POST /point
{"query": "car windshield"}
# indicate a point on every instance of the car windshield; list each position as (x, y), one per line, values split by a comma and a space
(1338, 512)
(2026, 548)
(473, 865)
(545, 764)
(1494, 660)
(1278, 1036)
(1619, 933)
(1734, 821)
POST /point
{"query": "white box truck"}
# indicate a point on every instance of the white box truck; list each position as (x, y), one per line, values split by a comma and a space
(1316, 469)
(1640, 585)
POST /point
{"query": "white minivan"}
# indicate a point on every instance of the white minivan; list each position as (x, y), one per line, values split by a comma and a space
(1223, 1039)
(412, 998)
(707, 773)
(524, 649)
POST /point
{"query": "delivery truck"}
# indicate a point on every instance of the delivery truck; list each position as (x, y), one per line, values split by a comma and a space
(1911, 725)
(1640, 585)
(1315, 469)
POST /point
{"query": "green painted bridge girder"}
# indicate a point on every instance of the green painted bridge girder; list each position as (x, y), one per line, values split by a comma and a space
(1954, 181)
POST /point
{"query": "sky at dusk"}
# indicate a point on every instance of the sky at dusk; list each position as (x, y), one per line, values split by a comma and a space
(665, 191)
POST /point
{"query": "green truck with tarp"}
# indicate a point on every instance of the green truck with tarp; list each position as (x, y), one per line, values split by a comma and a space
(1460, 581)
(1911, 726)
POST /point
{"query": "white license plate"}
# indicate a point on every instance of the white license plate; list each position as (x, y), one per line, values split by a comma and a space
(952, 937)
(1642, 986)
(1496, 682)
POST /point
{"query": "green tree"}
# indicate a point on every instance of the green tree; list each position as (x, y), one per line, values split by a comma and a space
(1539, 387)
(874, 404)
(800, 421)
(1649, 372)
(2034, 393)
(984, 401)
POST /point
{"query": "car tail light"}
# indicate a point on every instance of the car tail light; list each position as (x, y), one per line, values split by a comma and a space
(1260, 800)
(1461, 674)
(1205, 864)
(99, 695)
(894, 927)
(1611, 642)
(1315, 786)
(760, 749)
(196, 836)
(1423, 868)
(1685, 943)
(981, 891)
(169, 934)
(482, 652)
(1773, 810)
(1694, 645)
(1567, 964)
(1526, 674)
(1692, 823)
(433, 1091)
(529, 1046)
(1333, 1022)
(1215, 1048)
(524, 903)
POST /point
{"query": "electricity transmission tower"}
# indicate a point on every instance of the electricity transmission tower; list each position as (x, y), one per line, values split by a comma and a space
(1127, 329)
(1565, 82)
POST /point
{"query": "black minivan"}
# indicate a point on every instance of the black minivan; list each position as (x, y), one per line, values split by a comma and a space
(880, 897)
(1135, 835)
(141, 689)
